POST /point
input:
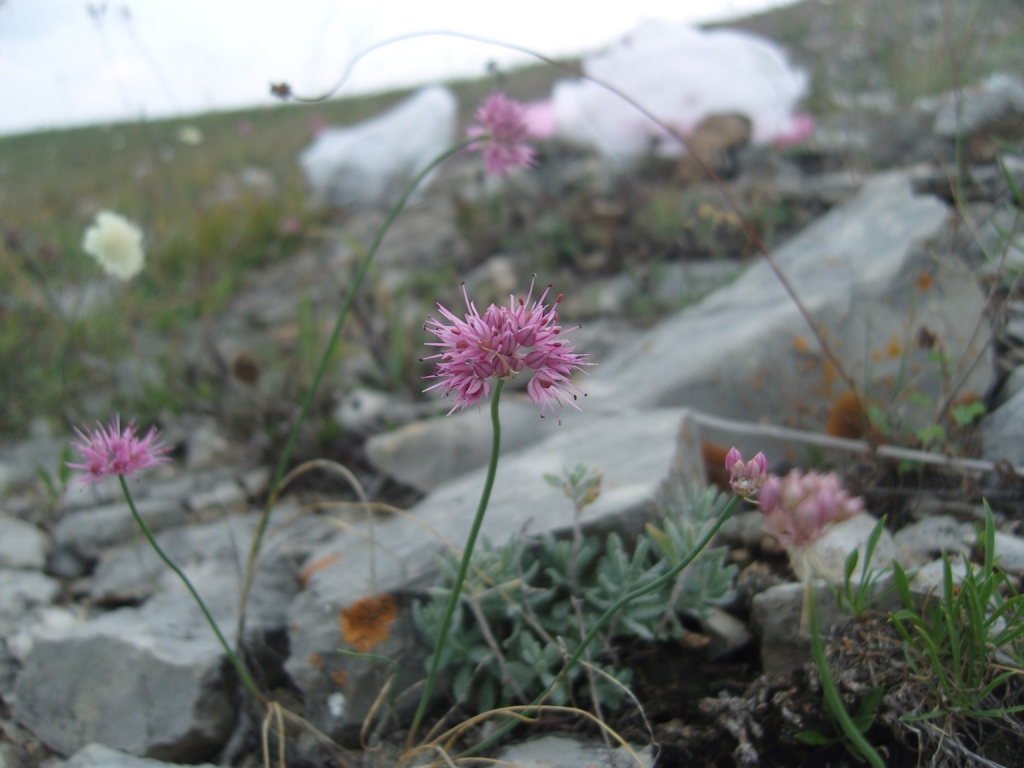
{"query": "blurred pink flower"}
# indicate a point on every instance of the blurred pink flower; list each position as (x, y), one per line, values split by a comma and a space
(540, 119)
(799, 508)
(746, 479)
(289, 225)
(503, 130)
(800, 128)
(498, 345)
(244, 127)
(113, 451)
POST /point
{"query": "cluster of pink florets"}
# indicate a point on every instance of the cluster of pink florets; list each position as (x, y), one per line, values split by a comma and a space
(499, 344)
(111, 451)
(799, 508)
(503, 130)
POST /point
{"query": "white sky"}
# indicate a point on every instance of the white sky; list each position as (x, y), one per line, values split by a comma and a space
(155, 58)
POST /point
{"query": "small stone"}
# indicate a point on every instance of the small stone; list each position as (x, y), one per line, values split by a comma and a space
(22, 545)
(727, 634)
(227, 494)
(1010, 553)
(564, 752)
(87, 532)
(933, 535)
(99, 756)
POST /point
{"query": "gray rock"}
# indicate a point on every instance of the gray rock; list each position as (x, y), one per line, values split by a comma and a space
(636, 452)
(363, 410)
(1010, 552)
(929, 577)
(1001, 432)
(980, 105)
(20, 462)
(743, 529)
(151, 681)
(933, 535)
(1014, 383)
(604, 297)
(726, 633)
(829, 553)
(205, 446)
(132, 573)
(20, 592)
(88, 532)
(775, 618)
(564, 752)
(745, 351)
(22, 545)
(99, 756)
(426, 454)
(227, 495)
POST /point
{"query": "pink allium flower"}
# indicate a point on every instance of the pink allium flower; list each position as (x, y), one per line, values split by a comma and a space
(503, 130)
(799, 508)
(746, 479)
(499, 344)
(112, 451)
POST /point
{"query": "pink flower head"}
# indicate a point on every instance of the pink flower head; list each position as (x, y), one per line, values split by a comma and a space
(113, 451)
(799, 508)
(746, 479)
(499, 344)
(503, 129)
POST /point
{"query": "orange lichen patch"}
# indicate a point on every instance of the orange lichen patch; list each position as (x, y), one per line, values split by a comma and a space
(714, 464)
(800, 344)
(924, 281)
(339, 677)
(316, 661)
(876, 355)
(846, 417)
(894, 348)
(317, 565)
(366, 622)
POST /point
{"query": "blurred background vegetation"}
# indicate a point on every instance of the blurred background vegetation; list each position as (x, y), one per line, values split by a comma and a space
(220, 195)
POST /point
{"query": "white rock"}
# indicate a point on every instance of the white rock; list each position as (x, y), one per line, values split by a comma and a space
(371, 162)
(564, 752)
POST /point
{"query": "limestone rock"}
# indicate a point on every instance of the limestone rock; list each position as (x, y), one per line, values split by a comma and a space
(151, 681)
(88, 532)
(22, 545)
(425, 454)
(99, 756)
(745, 351)
(635, 451)
(564, 752)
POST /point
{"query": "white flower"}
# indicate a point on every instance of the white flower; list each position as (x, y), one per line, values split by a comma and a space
(190, 135)
(116, 244)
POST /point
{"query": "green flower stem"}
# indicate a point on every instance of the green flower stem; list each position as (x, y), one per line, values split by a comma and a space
(606, 617)
(243, 673)
(485, 497)
(829, 691)
(289, 446)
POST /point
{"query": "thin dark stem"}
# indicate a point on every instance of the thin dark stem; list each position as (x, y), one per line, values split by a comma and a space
(243, 673)
(289, 446)
(453, 599)
(607, 616)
